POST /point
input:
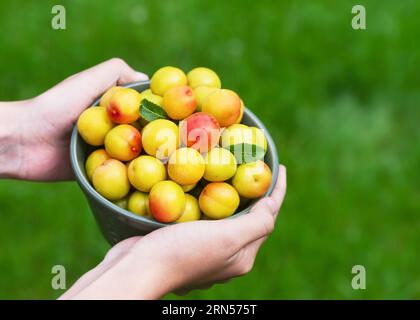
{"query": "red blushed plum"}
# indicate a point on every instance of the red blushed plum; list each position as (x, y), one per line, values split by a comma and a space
(123, 142)
(123, 106)
(224, 105)
(110, 180)
(179, 102)
(252, 179)
(218, 200)
(200, 131)
(166, 201)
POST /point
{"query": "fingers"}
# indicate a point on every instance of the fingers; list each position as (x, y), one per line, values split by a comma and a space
(87, 85)
(261, 219)
(253, 247)
(105, 75)
(111, 72)
(120, 249)
(113, 255)
(277, 196)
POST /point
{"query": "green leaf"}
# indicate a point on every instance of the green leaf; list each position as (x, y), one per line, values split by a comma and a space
(150, 111)
(246, 152)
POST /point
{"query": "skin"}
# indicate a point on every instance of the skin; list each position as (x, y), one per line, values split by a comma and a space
(228, 247)
(40, 151)
(224, 105)
(252, 180)
(218, 200)
(93, 125)
(145, 171)
(123, 142)
(95, 159)
(34, 145)
(179, 102)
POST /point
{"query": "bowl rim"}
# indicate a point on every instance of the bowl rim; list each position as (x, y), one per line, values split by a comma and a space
(90, 190)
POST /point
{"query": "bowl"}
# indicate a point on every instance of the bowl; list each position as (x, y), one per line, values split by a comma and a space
(117, 224)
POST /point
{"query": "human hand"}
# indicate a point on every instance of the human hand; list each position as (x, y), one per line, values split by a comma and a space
(183, 256)
(46, 122)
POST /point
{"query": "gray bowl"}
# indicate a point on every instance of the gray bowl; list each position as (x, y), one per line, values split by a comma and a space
(118, 224)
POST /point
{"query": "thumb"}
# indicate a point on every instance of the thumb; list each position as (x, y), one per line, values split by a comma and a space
(111, 72)
(90, 83)
(260, 221)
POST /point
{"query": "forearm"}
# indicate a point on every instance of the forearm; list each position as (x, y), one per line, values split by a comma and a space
(134, 277)
(11, 135)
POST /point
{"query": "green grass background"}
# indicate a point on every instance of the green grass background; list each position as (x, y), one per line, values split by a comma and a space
(342, 105)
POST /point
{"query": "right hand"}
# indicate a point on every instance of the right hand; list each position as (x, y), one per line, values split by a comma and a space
(183, 256)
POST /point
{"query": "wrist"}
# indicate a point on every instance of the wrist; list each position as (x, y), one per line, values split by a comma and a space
(11, 138)
(135, 276)
(150, 277)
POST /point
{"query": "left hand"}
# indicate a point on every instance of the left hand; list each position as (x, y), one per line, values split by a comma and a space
(49, 118)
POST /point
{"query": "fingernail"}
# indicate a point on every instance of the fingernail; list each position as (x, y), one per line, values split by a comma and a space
(142, 76)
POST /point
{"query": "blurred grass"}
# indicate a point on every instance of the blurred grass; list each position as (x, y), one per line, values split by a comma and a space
(342, 106)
